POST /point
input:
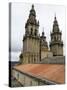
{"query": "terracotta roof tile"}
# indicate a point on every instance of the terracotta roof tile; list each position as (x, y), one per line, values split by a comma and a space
(52, 72)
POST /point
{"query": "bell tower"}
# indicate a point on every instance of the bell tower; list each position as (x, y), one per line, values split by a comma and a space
(44, 46)
(56, 43)
(32, 25)
(31, 39)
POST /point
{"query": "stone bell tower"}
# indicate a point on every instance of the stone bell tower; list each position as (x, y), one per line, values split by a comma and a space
(31, 39)
(44, 46)
(56, 43)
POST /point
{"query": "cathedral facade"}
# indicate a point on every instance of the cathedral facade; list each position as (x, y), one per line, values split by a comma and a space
(35, 47)
(40, 64)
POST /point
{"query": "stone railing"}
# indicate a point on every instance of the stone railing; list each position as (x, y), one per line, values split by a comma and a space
(53, 60)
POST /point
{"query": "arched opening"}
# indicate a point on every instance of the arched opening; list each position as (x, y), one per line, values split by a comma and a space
(31, 31)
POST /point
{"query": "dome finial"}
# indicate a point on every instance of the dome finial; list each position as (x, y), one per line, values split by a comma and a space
(55, 16)
(32, 6)
(43, 32)
(55, 19)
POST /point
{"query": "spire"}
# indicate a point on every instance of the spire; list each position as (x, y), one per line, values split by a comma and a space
(32, 11)
(43, 39)
(33, 6)
(55, 16)
(32, 17)
(43, 32)
(55, 25)
(55, 20)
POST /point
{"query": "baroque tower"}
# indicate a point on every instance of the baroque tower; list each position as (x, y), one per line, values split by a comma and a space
(44, 46)
(31, 40)
(56, 43)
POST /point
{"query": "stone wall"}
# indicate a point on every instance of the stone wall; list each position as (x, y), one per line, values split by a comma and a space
(54, 60)
(45, 54)
(31, 50)
(27, 80)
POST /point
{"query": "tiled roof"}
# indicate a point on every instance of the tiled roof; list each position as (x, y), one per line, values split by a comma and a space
(51, 72)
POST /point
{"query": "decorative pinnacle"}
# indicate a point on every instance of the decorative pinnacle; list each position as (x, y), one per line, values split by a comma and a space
(43, 32)
(55, 20)
(55, 16)
(32, 6)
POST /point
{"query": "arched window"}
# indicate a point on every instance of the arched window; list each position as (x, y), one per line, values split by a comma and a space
(35, 32)
(55, 38)
(31, 31)
(34, 60)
